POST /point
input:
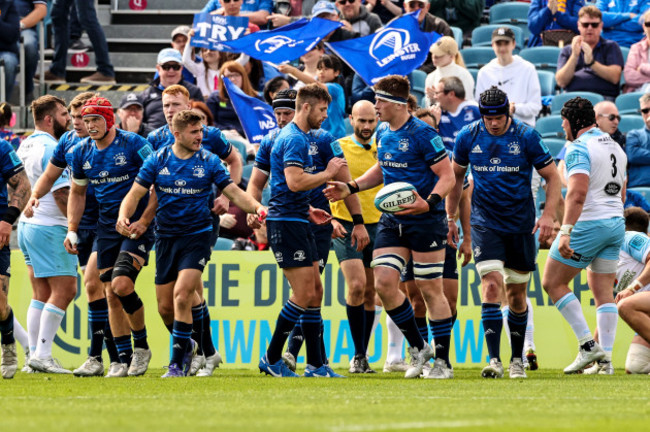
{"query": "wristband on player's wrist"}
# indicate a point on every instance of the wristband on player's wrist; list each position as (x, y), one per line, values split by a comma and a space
(635, 286)
(433, 200)
(11, 215)
(451, 219)
(353, 188)
(565, 230)
(357, 219)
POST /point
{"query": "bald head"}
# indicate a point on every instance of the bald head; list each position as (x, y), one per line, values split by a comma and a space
(607, 117)
(364, 121)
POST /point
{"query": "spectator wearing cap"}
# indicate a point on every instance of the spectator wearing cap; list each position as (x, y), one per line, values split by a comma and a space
(87, 15)
(465, 14)
(327, 10)
(9, 34)
(130, 115)
(622, 20)
(590, 63)
(357, 18)
(513, 75)
(257, 11)
(637, 66)
(546, 15)
(448, 62)
(169, 67)
(428, 23)
(180, 38)
(638, 149)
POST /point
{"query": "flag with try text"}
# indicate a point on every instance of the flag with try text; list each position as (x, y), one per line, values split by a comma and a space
(284, 43)
(398, 48)
(210, 31)
(257, 117)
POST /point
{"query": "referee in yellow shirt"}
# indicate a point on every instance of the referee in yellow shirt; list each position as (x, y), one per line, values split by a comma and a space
(360, 151)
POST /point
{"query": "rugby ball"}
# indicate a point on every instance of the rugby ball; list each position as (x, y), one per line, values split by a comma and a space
(390, 197)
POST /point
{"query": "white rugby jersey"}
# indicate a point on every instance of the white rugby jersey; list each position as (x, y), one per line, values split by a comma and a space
(632, 259)
(596, 154)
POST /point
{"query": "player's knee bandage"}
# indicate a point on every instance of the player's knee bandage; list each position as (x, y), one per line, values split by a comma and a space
(638, 359)
(106, 276)
(512, 277)
(599, 265)
(428, 271)
(131, 302)
(393, 261)
(125, 266)
(489, 266)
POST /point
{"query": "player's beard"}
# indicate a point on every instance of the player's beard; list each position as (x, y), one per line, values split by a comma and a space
(59, 129)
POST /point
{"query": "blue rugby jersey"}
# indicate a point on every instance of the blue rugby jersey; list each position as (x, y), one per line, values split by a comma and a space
(111, 171)
(213, 140)
(502, 168)
(183, 188)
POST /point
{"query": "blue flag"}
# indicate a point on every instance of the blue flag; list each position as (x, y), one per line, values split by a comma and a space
(285, 43)
(398, 48)
(256, 117)
(210, 31)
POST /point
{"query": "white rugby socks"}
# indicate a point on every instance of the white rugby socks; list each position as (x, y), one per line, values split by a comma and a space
(50, 323)
(571, 310)
(395, 342)
(34, 323)
(607, 319)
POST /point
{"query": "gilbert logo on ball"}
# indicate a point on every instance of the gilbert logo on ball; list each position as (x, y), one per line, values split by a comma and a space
(79, 60)
(392, 196)
(137, 4)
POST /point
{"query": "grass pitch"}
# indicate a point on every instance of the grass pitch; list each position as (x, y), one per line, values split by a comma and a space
(243, 400)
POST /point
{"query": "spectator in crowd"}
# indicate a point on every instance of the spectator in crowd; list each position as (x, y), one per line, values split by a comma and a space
(130, 114)
(88, 17)
(202, 110)
(9, 37)
(386, 10)
(638, 149)
(256, 242)
(5, 123)
(622, 20)
(453, 111)
(31, 12)
(546, 15)
(225, 117)
(590, 63)
(357, 18)
(234, 8)
(465, 14)
(512, 74)
(169, 66)
(329, 68)
(426, 116)
(327, 10)
(287, 11)
(206, 72)
(273, 86)
(180, 38)
(428, 23)
(637, 67)
(257, 11)
(448, 62)
(309, 68)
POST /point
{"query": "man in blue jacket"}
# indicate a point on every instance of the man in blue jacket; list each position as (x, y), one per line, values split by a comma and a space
(552, 15)
(622, 20)
(638, 149)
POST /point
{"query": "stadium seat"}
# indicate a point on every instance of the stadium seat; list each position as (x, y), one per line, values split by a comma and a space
(625, 51)
(223, 244)
(458, 35)
(554, 145)
(630, 122)
(417, 78)
(246, 171)
(560, 99)
(546, 82)
(645, 191)
(513, 13)
(349, 130)
(628, 103)
(241, 147)
(474, 73)
(477, 57)
(543, 57)
(550, 127)
(482, 36)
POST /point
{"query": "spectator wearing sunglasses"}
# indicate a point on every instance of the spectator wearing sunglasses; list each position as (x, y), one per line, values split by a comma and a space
(169, 66)
(622, 20)
(590, 63)
(638, 149)
(637, 66)
(357, 18)
(257, 11)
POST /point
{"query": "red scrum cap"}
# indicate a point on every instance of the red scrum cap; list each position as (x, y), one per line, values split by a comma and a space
(99, 106)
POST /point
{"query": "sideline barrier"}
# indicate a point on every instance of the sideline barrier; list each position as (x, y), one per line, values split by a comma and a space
(245, 292)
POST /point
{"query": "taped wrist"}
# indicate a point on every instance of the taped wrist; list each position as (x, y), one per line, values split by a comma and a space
(353, 188)
(357, 219)
(433, 200)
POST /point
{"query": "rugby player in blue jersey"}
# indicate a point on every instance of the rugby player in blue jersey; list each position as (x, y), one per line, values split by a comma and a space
(110, 161)
(502, 152)
(410, 150)
(182, 176)
(176, 98)
(98, 324)
(12, 173)
(290, 235)
(321, 151)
